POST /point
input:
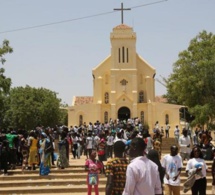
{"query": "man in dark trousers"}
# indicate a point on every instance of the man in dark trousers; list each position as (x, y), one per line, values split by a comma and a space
(116, 170)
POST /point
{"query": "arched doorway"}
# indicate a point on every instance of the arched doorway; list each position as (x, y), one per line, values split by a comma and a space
(124, 113)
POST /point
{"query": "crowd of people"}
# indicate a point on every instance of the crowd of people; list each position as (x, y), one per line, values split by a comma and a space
(129, 156)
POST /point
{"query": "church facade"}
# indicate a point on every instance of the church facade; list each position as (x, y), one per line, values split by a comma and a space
(123, 88)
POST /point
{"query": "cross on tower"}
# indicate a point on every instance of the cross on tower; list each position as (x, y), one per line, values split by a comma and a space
(122, 9)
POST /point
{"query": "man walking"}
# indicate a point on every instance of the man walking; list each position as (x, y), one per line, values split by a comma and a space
(185, 144)
(116, 170)
(142, 175)
(172, 163)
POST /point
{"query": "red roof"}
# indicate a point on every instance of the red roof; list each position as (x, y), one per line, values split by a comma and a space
(80, 100)
(160, 99)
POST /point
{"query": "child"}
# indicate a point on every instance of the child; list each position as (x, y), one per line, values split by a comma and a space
(94, 167)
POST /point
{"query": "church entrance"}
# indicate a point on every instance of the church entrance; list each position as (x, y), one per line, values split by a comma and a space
(124, 113)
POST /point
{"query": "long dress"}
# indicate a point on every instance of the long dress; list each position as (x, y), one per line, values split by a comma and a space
(45, 159)
(32, 159)
(63, 160)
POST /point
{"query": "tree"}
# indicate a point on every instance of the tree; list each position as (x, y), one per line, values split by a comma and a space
(30, 107)
(63, 114)
(5, 83)
(192, 81)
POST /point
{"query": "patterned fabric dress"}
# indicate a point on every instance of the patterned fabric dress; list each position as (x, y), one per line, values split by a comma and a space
(117, 167)
(45, 159)
(63, 160)
(25, 152)
(32, 159)
(157, 139)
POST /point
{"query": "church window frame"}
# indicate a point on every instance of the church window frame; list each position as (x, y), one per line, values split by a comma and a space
(141, 97)
(106, 98)
(80, 119)
(142, 117)
(166, 119)
(127, 55)
(106, 117)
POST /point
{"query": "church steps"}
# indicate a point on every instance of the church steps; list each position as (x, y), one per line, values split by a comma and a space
(71, 180)
(66, 189)
(52, 182)
(46, 189)
(53, 170)
(38, 177)
(62, 182)
(103, 193)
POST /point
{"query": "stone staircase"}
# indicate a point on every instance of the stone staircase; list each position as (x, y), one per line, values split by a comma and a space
(62, 181)
(166, 143)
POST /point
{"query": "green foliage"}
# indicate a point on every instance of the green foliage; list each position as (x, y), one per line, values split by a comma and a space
(192, 81)
(5, 83)
(29, 107)
(4, 49)
(63, 114)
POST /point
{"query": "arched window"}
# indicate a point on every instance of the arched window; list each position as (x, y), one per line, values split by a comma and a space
(142, 117)
(106, 98)
(80, 120)
(106, 117)
(141, 97)
(166, 119)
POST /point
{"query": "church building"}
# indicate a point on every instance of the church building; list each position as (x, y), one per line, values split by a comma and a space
(123, 88)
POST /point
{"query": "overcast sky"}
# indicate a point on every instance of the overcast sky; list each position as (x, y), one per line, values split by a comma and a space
(74, 37)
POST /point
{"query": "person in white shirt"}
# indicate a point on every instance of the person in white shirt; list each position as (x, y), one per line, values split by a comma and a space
(74, 144)
(89, 144)
(149, 143)
(118, 137)
(176, 133)
(96, 140)
(110, 143)
(184, 143)
(142, 175)
(167, 130)
(197, 162)
(172, 163)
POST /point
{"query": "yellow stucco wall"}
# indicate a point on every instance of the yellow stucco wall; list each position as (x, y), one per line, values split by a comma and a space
(123, 75)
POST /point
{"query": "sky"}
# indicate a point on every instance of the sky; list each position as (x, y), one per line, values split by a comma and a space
(57, 43)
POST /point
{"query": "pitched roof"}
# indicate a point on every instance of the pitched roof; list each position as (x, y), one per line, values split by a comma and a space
(160, 99)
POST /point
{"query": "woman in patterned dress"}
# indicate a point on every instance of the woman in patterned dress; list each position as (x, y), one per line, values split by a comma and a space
(32, 143)
(63, 145)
